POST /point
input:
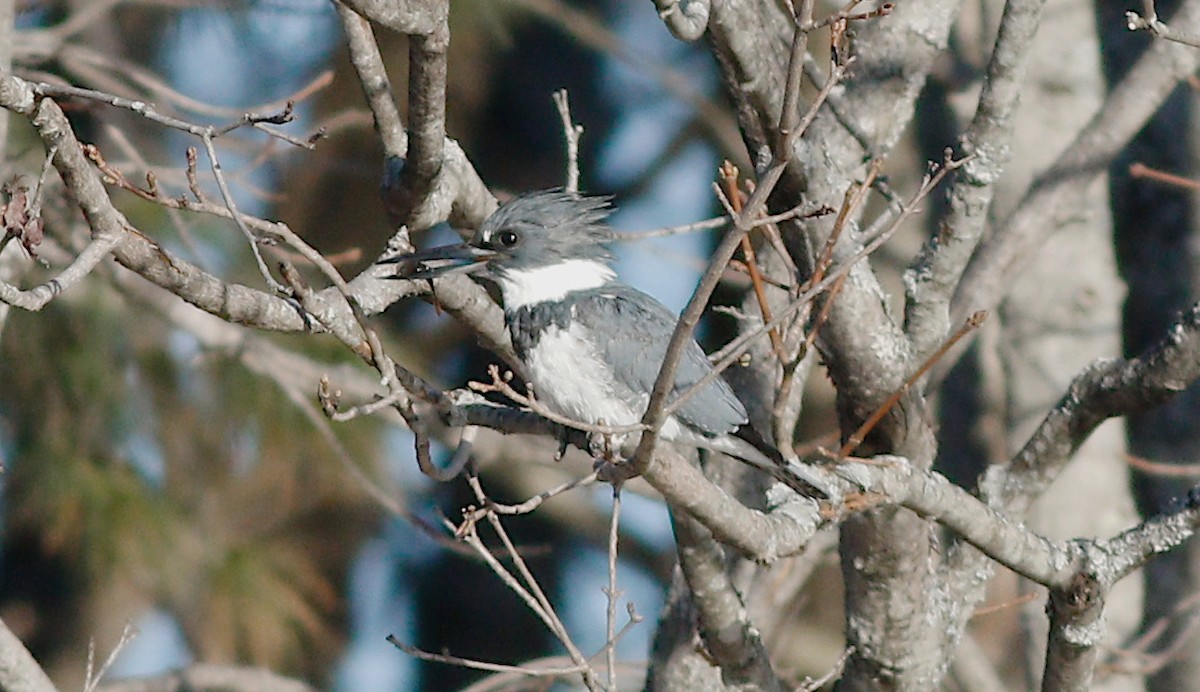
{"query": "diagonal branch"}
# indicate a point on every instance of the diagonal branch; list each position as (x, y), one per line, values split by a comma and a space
(18, 669)
(426, 126)
(459, 194)
(1106, 389)
(1130, 104)
(730, 638)
(36, 298)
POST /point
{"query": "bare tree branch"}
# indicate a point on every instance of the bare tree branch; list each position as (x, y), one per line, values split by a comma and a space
(1149, 21)
(1107, 389)
(571, 134)
(931, 280)
(36, 298)
(18, 669)
(867, 354)
(733, 642)
(426, 124)
(1128, 106)
(413, 17)
(207, 676)
(458, 195)
(1076, 630)
(686, 19)
(761, 536)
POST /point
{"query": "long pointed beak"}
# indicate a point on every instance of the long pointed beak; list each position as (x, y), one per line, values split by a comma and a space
(439, 261)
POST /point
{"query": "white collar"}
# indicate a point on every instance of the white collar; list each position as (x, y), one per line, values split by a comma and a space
(524, 287)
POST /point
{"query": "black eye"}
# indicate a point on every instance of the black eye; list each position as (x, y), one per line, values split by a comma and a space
(508, 238)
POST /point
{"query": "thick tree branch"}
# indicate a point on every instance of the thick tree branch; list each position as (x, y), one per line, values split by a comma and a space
(18, 669)
(1105, 390)
(1076, 608)
(1057, 191)
(1010, 543)
(426, 124)
(409, 17)
(457, 194)
(733, 642)
(761, 536)
(931, 281)
(887, 554)
(1076, 631)
(686, 19)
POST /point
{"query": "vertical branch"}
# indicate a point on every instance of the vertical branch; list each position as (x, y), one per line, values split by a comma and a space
(614, 525)
(1076, 631)
(935, 272)
(571, 133)
(731, 640)
(457, 193)
(426, 122)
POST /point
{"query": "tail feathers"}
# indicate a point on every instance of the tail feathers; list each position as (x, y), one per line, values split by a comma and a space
(791, 472)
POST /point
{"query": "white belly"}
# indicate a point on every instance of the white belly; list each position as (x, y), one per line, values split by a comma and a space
(569, 376)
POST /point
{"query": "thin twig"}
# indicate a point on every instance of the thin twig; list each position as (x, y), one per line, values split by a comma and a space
(571, 133)
(729, 175)
(532, 590)
(1149, 21)
(664, 383)
(611, 592)
(1162, 469)
(93, 678)
(1138, 650)
(860, 434)
(215, 165)
(500, 384)
(732, 351)
(484, 665)
(717, 222)
(536, 501)
(582, 26)
(36, 298)
(1141, 170)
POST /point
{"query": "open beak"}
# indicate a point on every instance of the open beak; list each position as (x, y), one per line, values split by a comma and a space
(440, 261)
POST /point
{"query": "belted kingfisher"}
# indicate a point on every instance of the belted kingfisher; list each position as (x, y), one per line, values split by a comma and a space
(593, 346)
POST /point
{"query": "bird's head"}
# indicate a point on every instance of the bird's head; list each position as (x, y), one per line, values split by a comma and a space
(553, 239)
(542, 229)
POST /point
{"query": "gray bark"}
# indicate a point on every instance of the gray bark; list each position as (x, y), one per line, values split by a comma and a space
(1158, 248)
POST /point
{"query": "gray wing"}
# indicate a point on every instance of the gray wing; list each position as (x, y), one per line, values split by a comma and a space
(636, 329)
